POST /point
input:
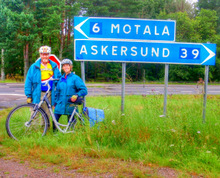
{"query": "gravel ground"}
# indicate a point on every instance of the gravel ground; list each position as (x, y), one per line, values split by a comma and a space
(11, 168)
(14, 169)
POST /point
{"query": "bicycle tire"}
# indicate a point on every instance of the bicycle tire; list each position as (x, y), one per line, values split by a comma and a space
(17, 119)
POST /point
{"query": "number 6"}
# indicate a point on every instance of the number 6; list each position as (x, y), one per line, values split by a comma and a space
(95, 28)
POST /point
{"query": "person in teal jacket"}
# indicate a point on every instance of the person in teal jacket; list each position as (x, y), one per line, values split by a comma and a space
(37, 74)
(70, 89)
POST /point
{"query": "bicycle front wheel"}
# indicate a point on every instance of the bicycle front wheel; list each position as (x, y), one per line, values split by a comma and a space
(19, 123)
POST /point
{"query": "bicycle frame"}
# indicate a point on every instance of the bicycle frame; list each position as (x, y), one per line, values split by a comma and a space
(57, 124)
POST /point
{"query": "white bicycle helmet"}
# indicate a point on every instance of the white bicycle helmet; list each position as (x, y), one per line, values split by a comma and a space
(66, 61)
(45, 49)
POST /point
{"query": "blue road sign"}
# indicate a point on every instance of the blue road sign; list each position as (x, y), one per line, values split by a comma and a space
(145, 52)
(124, 28)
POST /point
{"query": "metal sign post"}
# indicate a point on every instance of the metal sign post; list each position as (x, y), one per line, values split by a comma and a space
(165, 89)
(83, 78)
(123, 86)
(205, 92)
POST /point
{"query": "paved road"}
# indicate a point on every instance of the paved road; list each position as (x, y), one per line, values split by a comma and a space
(12, 94)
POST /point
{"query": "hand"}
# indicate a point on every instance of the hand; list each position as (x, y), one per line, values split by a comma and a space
(29, 100)
(53, 107)
(73, 98)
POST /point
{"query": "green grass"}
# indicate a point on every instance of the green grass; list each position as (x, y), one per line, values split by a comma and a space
(180, 141)
(127, 82)
(11, 81)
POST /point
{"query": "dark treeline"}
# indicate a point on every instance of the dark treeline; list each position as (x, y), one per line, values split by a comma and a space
(25, 25)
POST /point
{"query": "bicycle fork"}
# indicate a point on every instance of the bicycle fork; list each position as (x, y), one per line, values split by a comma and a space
(36, 107)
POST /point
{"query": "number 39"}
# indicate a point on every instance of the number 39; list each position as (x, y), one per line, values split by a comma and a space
(195, 53)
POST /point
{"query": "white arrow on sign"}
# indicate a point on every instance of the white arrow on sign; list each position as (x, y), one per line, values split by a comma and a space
(78, 28)
(211, 54)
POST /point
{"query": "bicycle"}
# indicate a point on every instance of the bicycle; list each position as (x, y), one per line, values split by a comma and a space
(30, 119)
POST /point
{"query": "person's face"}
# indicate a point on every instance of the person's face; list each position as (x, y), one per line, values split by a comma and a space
(66, 68)
(44, 57)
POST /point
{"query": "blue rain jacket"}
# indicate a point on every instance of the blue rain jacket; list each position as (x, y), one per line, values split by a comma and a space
(66, 87)
(32, 88)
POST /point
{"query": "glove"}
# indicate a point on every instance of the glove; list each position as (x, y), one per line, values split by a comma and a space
(29, 100)
(74, 98)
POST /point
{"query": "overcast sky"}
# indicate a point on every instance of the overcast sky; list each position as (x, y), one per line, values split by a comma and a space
(192, 1)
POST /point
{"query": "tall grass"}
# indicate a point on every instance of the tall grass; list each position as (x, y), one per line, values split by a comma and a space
(181, 140)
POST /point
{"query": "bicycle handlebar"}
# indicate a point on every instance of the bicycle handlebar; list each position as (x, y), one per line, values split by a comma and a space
(47, 83)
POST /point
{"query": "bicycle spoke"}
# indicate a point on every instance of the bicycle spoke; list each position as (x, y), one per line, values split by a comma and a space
(19, 123)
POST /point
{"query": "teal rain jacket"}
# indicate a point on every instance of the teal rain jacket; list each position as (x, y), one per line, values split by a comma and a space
(32, 88)
(67, 87)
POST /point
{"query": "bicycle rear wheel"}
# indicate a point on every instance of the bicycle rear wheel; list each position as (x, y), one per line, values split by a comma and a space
(18, 125)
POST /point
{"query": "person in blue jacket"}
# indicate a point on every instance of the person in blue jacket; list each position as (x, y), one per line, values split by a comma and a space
(39, 72)
(70, 89)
